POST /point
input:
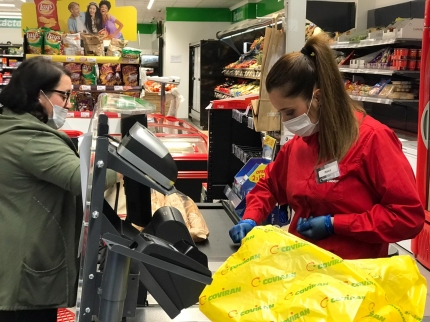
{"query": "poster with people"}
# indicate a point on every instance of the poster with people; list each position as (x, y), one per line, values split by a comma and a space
(79, 16)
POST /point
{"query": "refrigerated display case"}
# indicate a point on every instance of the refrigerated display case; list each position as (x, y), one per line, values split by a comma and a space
(189, 148)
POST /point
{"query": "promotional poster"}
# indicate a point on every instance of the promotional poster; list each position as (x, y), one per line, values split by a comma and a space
(82, 16)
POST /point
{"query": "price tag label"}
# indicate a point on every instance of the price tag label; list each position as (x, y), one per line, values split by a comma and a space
(70, 59)
(70, 114)
(85, 87)
(48, 57)
(101, 88)
(118, 88)
(85, 114)
(92, 59)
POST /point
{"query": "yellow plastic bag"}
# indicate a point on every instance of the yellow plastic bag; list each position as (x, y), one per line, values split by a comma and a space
(276, 276)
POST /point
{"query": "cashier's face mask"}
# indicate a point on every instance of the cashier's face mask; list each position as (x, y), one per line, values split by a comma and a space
(58, 117)
(302, 125)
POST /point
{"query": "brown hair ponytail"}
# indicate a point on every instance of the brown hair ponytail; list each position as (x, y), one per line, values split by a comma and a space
(297, 74)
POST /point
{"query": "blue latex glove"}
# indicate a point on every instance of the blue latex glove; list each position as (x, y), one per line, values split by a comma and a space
(315, 228)
(239, 231)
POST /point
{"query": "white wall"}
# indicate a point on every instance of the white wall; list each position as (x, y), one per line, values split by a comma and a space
(11, 34)
(178, 36)
(145, 43)
(365, 5)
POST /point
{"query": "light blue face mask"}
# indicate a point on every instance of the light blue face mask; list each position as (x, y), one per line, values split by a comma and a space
(58, 117)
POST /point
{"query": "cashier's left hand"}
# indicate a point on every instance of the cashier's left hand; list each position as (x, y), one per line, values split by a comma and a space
(316, 228)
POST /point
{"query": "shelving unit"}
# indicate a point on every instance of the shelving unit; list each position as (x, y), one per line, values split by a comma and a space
(373, 42)
(86, 59)
(401, 114)
(5, 58)
(385, 72)
(246, 73)
(104, 88)
(224, 132)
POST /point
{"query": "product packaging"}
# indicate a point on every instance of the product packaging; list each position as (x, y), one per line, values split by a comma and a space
(130, 75)
(93, 44)
(47, 16)
(89, 74)
(131, 53)
(76, 70)
(35, 40)
(115, 47)
(277, 276)
(72, 44)
(53, 42)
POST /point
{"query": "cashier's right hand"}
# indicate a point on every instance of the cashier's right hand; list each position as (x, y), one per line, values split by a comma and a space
(241, 229)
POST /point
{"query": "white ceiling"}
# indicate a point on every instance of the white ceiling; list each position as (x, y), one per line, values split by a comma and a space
(158, 10)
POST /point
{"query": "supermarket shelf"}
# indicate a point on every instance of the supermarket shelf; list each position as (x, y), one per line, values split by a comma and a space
(11, 56)
(103, 88)
(247, 73)
(240, 102)
(86, 59)
(244, 153)
(243, 118)
(13, 45)
(221, 95)
(387, 72)
(386, 101)
(372, 42)
(84, 115)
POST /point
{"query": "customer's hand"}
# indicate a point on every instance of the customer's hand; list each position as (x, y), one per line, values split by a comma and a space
(315, 228)
(241, 229)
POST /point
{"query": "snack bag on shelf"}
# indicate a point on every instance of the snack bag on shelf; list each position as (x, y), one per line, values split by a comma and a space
(84, 102)
(72, 44)
(130, 75)
(377, 88)
(93, 44)
(46, 12)
(76, 70)
(53, 42)
(34, 40)
(89, 74)
(107, 75)
(131, 53)
(115, 47)
(118, 75)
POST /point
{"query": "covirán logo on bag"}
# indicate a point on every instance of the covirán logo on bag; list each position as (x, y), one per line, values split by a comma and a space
(311, 266)
(296, 316)
(245, 260)
(203, 299)
(234, 313)
(257, 280)
(284, 249)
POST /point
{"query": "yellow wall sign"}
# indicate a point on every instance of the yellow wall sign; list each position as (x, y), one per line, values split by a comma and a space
(127, 16)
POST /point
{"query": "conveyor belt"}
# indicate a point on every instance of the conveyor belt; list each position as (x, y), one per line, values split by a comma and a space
(217, 248)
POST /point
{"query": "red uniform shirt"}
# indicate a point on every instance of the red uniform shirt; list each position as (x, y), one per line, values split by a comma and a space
(374, 201)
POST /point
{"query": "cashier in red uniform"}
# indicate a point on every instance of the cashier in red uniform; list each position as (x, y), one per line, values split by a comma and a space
(344, 173)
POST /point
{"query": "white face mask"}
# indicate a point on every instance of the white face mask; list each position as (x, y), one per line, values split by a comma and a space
(59, 115)
(302, 125)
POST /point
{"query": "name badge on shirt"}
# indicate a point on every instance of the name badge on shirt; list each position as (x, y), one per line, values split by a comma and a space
(327, 171)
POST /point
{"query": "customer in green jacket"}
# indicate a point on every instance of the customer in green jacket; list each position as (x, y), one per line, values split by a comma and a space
(40, 187)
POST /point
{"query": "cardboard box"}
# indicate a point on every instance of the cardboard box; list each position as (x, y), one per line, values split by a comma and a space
(155, 98)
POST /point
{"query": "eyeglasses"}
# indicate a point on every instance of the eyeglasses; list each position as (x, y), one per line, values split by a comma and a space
(63, 94)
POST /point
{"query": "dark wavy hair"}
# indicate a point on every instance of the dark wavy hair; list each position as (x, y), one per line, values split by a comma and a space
(22, 93)
(98, 18)
(105, 2)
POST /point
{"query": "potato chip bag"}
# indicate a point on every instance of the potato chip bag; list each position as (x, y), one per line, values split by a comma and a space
(76, 70)
(89, 74)
(53, 42)
(35, 40)
(130, 75)
(47, 16)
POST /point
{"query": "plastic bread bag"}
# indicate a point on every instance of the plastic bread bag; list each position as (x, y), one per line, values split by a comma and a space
(124, 104)
(276, 276)
(177, 99)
